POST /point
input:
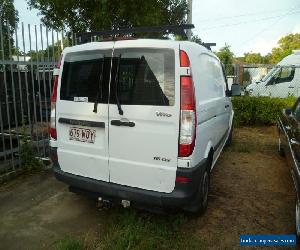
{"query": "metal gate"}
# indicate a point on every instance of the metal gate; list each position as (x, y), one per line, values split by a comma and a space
(27, 58)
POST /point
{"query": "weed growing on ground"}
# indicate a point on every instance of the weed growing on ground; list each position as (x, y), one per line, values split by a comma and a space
(131, 229)
(28, 156)
(69, 243)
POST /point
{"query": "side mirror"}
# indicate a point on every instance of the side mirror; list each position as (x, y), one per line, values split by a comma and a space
(287, 112)
(236, 90)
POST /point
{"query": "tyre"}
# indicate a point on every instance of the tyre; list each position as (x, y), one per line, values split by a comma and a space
(280, 149)
(297, 217)
(199, 204)
(229, 139)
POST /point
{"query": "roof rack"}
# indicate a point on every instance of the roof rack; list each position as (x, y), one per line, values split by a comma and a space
(166, 29)
(208, 45)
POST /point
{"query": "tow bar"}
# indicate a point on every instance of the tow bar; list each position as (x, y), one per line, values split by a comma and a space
(105, 204)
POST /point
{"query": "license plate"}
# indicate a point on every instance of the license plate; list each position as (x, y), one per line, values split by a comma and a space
(82, 134)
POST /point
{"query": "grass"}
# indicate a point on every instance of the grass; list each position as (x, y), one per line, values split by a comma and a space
(254, 139)
(131, 229)
(69, 243)
(240, 147)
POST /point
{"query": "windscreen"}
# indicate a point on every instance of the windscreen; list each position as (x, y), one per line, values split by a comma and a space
(270, 73)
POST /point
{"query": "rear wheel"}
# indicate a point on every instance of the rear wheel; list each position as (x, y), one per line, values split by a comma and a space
(229, 139)
(199, 204)
(298, 217)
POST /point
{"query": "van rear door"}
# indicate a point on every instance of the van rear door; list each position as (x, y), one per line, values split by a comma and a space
(143, 130)
(82, 131)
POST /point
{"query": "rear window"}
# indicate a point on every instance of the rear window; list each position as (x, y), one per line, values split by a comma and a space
(138, 76)
(85, 74)
(144, 77)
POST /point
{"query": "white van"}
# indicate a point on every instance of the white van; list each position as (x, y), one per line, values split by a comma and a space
(282, 81)
(140, 121)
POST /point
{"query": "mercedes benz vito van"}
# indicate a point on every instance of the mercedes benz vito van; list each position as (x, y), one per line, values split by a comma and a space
(282, 81)
(142, 121)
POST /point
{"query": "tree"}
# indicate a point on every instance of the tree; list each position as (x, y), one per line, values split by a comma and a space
(8, 21)
(52, 52)
(196, 39)
(286, 45)
(226, 56)
(82, 15)
(256, 58)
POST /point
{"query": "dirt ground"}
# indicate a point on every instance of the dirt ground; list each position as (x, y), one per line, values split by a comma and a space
(251, 193)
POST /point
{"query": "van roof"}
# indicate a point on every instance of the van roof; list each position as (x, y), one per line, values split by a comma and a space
(138, 43)
(293, 59)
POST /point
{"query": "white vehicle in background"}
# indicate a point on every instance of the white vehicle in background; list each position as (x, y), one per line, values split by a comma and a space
(282, 81)
(140, 121)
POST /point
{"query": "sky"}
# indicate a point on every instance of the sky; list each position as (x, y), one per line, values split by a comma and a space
(247, 26)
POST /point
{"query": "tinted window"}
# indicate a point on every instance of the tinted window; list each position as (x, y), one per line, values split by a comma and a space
(270, 73)
(286, 74)
(144, 77)
(86, 74)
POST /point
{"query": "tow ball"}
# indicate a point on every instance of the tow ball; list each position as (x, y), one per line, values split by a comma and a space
(125, 203)
(103, 204)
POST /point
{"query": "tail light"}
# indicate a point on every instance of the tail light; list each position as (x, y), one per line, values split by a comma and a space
(53, 133)
(187, 111)
(184, 59)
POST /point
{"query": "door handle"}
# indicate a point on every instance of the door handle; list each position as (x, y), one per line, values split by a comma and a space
(293, 141)
(122, 123)
(291, 87)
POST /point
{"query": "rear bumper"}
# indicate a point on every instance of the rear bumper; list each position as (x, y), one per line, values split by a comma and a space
(180, 197)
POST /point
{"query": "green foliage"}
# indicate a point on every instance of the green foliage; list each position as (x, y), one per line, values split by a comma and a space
(196, 39)
(52, 52)
(82, 15)
(259, 110)
(246, 77)
(256, 58)
(226, 56)
(28, 156)
(286, 45)
(69, 243)
(9, 19)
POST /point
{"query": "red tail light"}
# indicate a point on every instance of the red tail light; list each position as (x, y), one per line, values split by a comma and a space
(188, 119)
(54, 89)
(52, 130)
(187, 94)
(184, 59)
(53, 133)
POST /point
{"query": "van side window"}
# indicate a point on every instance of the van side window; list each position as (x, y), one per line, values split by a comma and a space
(82, 73)
(218, 76)
(286, 75)
(144, 77)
